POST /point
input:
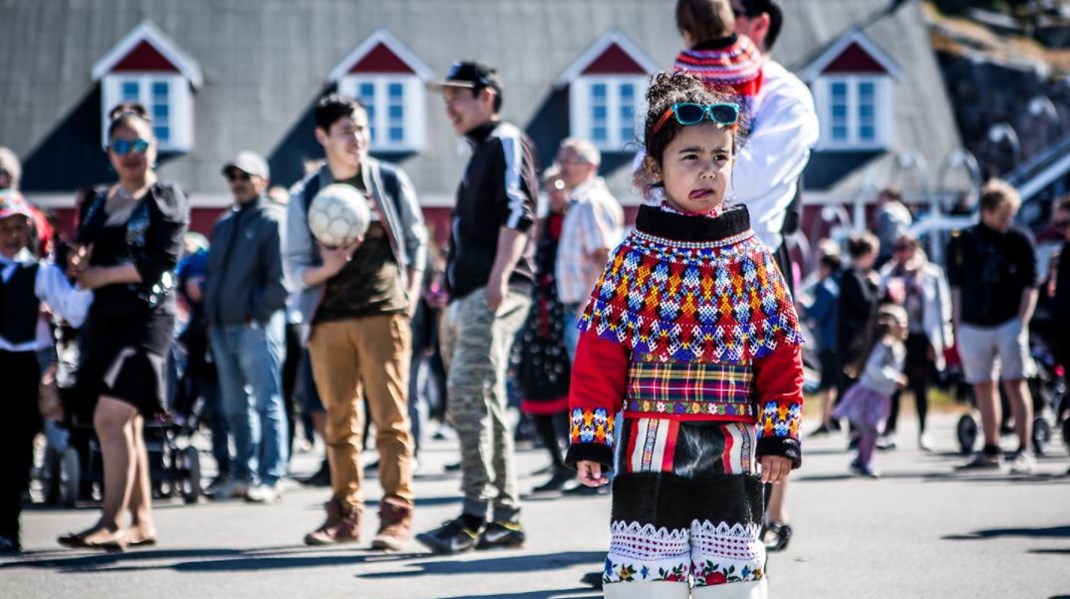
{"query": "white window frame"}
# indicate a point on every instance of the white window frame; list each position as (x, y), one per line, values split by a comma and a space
(580, 109)
(884, 111)
(181, 105)
(414, 97)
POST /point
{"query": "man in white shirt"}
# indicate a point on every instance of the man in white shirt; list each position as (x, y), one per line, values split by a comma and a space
(592, 227)
(784, 128)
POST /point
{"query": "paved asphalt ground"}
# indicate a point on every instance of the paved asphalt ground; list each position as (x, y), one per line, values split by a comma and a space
(920, 531)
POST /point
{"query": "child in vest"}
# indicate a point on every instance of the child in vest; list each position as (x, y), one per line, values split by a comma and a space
(692, 332)
(24, 284)
(725, 62)
(867, 403)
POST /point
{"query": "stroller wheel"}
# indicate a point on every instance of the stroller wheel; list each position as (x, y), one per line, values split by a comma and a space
(70, 475)
(1041, 434)
(966, 431)
(191, 489)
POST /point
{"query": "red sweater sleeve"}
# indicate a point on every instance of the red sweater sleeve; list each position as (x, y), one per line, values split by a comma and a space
(778, 383)
(599, 376)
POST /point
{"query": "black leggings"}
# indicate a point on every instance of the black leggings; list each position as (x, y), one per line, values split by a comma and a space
(548, 426)
(917, 371)
(20, 423)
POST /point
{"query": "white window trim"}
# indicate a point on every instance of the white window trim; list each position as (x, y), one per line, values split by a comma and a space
(884, 90)
(580, 109)
(181, 109)
(415, 99)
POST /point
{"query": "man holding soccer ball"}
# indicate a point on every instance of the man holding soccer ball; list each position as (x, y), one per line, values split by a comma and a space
(490, 277)
(356, 301)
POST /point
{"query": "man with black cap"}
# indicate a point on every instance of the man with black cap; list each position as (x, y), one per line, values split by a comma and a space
(244, 301)
(490, 277)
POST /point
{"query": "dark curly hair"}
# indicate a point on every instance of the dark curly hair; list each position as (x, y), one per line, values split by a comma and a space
(672, 87)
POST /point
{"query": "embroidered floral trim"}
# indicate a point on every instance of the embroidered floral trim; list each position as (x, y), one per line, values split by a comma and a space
(707, 553)
(709, 573)
(592, 426)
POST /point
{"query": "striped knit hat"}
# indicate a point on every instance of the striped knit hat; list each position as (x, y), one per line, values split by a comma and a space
(733, 62)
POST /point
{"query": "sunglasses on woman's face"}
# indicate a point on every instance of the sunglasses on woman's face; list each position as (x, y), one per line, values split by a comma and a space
(122, 147)
(689, 113)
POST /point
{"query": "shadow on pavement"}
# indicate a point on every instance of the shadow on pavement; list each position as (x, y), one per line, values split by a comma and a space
(207, 560)
(516, 563)
(578, 593)
(995, 533)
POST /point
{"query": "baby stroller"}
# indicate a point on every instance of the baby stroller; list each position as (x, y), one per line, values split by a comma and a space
(1047, 386)
(74, 469)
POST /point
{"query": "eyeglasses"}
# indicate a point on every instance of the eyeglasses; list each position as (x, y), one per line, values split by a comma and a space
(236, 175)
(689, 113)
(122, 147)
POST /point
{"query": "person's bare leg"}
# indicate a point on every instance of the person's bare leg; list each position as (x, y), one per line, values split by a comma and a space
(113, 422)
(991, 411)
(141, 526)
(777, 510)
(1021, 401)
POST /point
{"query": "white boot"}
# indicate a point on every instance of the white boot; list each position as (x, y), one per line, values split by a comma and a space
(755, 589)
(646, 590)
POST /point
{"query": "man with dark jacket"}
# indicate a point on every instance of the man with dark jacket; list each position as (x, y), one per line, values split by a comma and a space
(244, 299)
(490, 276)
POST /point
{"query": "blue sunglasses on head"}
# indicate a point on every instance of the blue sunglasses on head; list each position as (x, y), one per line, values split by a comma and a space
(122, 147)
(690, 113)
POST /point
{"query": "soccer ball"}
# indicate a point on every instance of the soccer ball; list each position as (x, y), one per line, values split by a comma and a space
(338, 215)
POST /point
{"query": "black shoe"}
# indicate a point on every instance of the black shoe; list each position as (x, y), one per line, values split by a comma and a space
(322, 477)
(452, 537)
(9, 545)
(583, 490)
(455, 466)
(557, 481)
(502, 534)
(853, 443)
(819, 431)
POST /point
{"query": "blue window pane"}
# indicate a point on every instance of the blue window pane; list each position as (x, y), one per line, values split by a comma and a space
(599, 113)
(839, 110)
(838, 90)
(160, 112)
(160, 89)
(598, 91)
(396, 112)
(626, 135)
(866, 90)
(163, 133)
(395, 90)
(867, 133)
(600, 134)
(131, 91)
(627, 91)
(397, 134)
(367, 90)
(839, 133)
(865, 110)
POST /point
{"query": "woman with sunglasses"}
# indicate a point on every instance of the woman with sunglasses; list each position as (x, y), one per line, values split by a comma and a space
(922, 289)
(131, 238)
(691, 331)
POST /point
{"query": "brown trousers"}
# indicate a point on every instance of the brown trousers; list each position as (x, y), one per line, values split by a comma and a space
(372, 354)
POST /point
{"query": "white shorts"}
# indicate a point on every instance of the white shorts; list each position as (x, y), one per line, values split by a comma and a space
(999, 353)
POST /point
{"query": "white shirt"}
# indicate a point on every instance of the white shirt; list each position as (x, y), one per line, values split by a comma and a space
(784, 128)
(51, 287)
(594, 221)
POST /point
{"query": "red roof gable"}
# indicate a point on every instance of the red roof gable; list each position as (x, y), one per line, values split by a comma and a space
(144, 57)
(381, 59)
(614, 61)
(854, 59)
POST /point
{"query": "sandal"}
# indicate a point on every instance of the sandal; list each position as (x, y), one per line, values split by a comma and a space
(781, 533)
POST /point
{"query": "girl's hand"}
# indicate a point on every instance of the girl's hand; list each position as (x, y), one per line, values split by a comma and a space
(94, 277)
(775, 469)
(590, 473)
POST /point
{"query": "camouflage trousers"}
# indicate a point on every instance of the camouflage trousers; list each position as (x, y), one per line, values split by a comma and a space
(476, 345)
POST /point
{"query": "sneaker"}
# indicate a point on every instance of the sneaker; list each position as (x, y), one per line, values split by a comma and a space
(502, 534)
(925, 442)
(1023, 463)
(820, 431)
(867, 471)
(395, 526)
(582, 490)
(217, 483)
(341, 526)
(983, 461)
(231, 489)
(888, 442)
(264, 493)
(452, 537)
(560, 477)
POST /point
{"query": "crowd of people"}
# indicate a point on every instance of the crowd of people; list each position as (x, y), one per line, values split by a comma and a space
(634, 353)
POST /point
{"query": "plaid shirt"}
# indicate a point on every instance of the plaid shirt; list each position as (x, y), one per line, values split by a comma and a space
(594, 221)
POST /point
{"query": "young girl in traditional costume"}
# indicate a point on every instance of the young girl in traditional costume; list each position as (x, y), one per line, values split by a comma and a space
(692, 333)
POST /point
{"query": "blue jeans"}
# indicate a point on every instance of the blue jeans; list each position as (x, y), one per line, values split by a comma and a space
(572, 334)
(249, 361)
